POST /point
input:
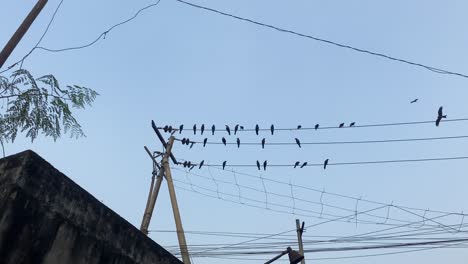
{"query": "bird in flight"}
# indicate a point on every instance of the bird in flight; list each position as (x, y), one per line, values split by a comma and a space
(341, 125)
(224, 164)
(228, 129)
(316, 126)
(224, 141)
(263, 143)
(213, 128)
(257, 128)
(296, 164)
(414, 101)
(352, 124)
(298, 142)
(238, 142)
(264, 165)
(236, 128)
(181, 127)
(440, 115)
(202, 129)
(325, 163)
(272, 129)
(258, 165)
(304, 164)
(195, 129)
(201, 164)
(204, 142)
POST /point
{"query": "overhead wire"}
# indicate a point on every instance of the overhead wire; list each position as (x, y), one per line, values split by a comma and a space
(329, 42)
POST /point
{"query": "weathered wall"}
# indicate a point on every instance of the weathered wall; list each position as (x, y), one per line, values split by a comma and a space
(46, 218)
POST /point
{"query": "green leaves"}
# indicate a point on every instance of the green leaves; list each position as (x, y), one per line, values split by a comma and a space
(40, 106)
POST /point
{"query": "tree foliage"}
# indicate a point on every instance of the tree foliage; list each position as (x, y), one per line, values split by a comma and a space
(40, 106)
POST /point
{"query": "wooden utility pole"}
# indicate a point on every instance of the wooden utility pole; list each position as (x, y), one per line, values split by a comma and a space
(153, 193)
(22, 29)
(300, 230)
(175, 207)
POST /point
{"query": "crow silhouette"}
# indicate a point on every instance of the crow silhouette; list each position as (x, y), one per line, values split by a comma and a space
(296, 164)
(181, 127)
(213, 128)
(204, 142)
(325, 163)
(194, 129)
(236, 128)
(238, 142)
(304, 164)
(298, 142)
(202, 129)
(201, 164)
(257, 128)
(224, 141)
(264, 165)
(263, 143)
(316, 126)
(352, 124)
(224, 164)
(440, 115)
(272, 129)
(228, 129)
(185, 164)
(341, 125)
(241, 127)
(258, 165)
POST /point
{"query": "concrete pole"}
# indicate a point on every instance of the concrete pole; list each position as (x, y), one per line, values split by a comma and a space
(299, 239)
(22, 29)
(175, 207)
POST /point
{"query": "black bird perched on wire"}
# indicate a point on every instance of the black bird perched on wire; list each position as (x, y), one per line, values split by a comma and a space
(185, 164)
(352, 124)
(325, 163)
(236, 128)
(224, 164)
(189, 164)
(296, 164)
(204, 142)
(414, 101)
(195, 129)
(238, 142)
(257, 128)
(316, 126)
(241, 127)
(258, 165)
(228, 129)
(202, 129)
(272, 129)
(298, 142)
(263, 143)
(224, 141)
(264, 165)
(187, 141)
(304, 164)
(440, 115)
(201, 164)
(341, 125)
(213, 129)
(181, 127)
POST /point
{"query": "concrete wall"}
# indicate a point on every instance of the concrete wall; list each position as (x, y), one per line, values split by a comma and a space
(46, 218)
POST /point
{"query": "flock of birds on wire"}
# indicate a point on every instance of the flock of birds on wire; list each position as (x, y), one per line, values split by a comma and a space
(186, 141)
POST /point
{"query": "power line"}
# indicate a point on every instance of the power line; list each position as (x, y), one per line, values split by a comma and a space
(331, 142)
(306, 128)
(339, 163)
(360, 50)
(101, 36)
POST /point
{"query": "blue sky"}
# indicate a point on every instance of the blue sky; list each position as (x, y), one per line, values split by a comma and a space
(175, 64)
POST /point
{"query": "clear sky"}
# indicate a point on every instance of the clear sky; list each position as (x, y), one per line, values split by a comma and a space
(176, 64)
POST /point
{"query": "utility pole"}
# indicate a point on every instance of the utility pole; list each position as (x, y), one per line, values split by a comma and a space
(175, 207)
(300, 230)
(22, 29)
